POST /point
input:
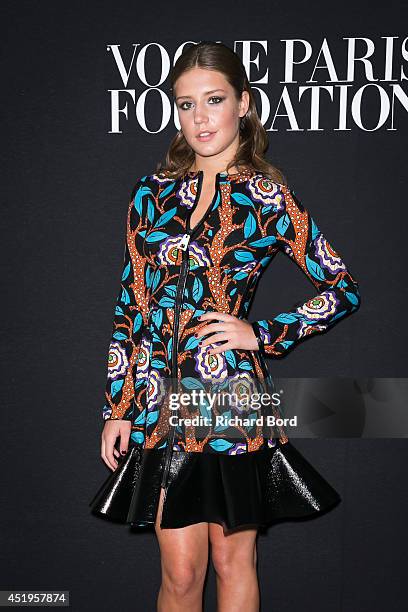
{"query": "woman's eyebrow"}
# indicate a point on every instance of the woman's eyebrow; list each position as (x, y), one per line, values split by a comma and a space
(205, 93)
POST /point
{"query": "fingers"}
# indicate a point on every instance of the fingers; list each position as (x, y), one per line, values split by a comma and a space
(221, 349)
(221, 336)
(225, 338)
(110, 433)
(220, 316)
(107, 452)
(124, 440)
(238, 335)
(228, 322)
(213, 327)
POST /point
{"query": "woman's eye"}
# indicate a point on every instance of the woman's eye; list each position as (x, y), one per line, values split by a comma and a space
(217, 99)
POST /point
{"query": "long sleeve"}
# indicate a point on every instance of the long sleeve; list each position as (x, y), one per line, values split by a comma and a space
(130, 315)
(296, 234)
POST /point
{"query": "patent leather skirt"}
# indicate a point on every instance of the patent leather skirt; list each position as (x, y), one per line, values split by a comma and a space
(250, 489)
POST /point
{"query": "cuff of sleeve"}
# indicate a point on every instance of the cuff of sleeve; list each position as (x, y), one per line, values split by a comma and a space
(268, 333)
(256, 327)
(126, 416)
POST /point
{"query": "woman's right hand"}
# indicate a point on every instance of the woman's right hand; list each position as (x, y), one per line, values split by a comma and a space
(112, 429)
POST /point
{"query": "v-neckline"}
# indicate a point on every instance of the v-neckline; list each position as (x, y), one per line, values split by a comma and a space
(200, 174)
(220, 175)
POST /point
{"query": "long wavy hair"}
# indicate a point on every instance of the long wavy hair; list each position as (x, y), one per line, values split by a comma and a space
(253, 138)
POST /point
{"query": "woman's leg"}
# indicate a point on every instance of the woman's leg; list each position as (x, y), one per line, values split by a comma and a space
(234, 557)
(184, 561)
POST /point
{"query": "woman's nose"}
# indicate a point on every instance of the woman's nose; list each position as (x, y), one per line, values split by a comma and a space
(200, 116)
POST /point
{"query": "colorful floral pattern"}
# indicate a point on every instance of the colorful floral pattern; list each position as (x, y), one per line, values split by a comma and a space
(298, 236)
(249, 220)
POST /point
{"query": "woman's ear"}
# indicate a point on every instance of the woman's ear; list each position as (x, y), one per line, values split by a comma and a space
(244, 103)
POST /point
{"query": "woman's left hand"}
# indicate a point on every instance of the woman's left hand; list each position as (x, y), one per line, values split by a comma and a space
(235, 333)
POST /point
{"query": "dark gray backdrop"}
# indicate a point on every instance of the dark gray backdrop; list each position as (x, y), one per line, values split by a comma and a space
(66, 183)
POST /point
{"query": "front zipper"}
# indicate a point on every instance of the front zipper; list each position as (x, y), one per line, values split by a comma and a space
(184, 246)
(179, 293)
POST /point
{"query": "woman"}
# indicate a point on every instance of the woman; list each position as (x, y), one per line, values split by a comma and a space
(200, 231)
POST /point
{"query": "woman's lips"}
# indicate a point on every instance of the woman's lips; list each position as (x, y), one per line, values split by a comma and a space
(205, 138)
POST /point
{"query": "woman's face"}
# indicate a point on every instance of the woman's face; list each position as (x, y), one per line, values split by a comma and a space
(206, 102)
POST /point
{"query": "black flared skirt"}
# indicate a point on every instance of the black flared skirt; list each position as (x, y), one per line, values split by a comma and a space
(250, 489)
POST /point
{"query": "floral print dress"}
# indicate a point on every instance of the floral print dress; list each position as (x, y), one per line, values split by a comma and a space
(172, 273)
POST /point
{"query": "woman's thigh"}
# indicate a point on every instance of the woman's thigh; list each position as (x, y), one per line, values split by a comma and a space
(184, 549)
(235, 548)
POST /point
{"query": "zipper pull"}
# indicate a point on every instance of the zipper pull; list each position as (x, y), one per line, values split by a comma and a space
(183, 244)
